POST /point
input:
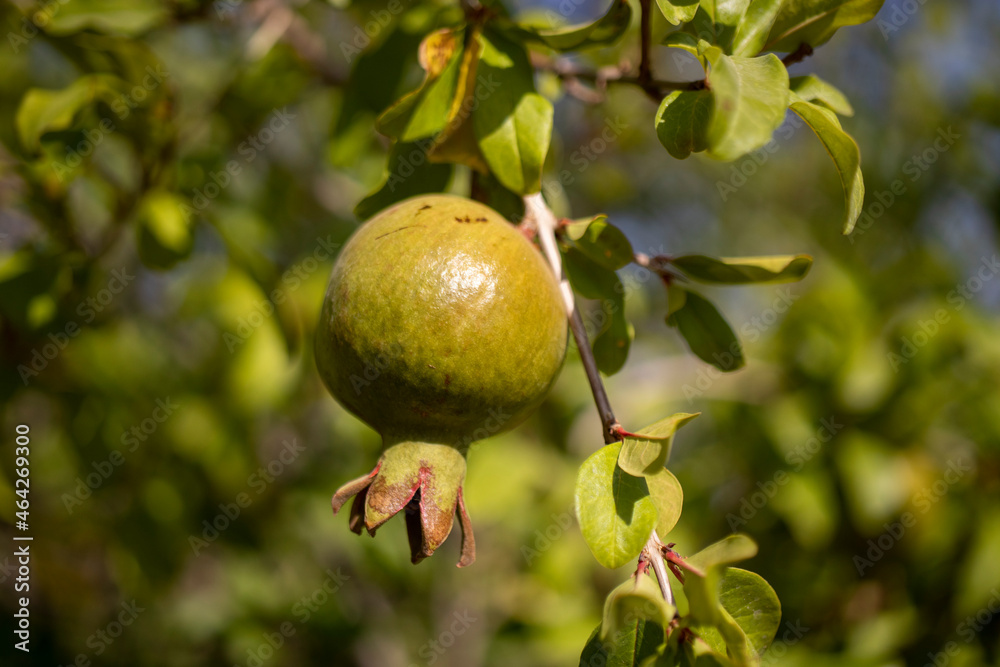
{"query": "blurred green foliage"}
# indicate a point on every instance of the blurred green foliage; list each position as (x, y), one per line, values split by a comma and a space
(167, 223)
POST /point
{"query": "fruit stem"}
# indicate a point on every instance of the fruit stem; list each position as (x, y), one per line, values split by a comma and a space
(545, 222)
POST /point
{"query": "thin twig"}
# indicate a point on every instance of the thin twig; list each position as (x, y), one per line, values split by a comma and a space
(654, 549)
(798, 55)
(645, 68)
(538, 212)
(567, 71)
(546, 223)
(676, 559)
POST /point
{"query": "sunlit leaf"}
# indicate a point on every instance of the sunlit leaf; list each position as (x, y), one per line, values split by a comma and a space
(457, 141)
(813, 89)
(682, 122)
(752, 31)
(668, 496)
(716, 20)
(513, 124)
(845, 154)
(753, 604)
(678, 11)
(632, 646)
(682, 40)
(751, 99)
(742, 270)
(703, 596)
(647, 451)
(601, 241)
(604, 30)
(729, 550)
(424, 111)
(637, 598)
(813, 22)
(614, 509)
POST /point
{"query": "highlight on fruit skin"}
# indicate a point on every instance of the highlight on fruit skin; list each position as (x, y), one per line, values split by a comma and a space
(441, 325)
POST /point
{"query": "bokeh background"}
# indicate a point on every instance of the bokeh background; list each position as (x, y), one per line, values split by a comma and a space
(860, 447)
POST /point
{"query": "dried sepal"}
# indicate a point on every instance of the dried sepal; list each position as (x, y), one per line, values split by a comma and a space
(424, 481)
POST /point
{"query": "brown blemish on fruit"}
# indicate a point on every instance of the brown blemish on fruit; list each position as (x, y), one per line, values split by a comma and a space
(396, 230)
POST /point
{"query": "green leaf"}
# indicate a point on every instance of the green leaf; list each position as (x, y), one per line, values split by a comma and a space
(742, 270)
(706, 609)
(457, 141)
(513, 125)
(752, 31)
(637, 598)
(43, 110)
(698, 653)
(678, 11)
(589, 279)
(376, 74)
(605, 30)
(593, 281)
(682, 122)
(814, 22)
(601, 241)
(744, 609)
(614, 509)
(753, 604)
(811, 88)
(716, 20)
(408, 173)
(707, 333)
(676, 298)
(845, 154)
(612, 345)
(682, 40)
(668, 496)
(731, 549)
(646, 452)
(165, 229)
(631, 646)
(424, 111)
(751, 98)
(119, 17)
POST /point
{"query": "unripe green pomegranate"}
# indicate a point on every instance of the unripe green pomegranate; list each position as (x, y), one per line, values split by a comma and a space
(441, 325)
